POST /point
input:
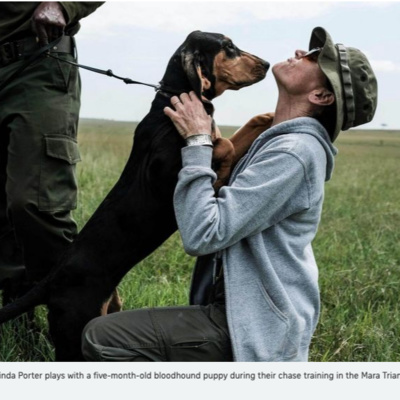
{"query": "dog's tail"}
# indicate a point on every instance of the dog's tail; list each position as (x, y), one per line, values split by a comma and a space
(33, 298)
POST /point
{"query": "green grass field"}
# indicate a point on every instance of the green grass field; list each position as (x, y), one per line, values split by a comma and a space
(357, 248)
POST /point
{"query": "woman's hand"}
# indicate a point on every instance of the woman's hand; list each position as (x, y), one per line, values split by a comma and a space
(189, 117)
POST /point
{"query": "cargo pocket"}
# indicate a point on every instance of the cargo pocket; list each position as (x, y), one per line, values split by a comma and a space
(58, 183)
(64, 74)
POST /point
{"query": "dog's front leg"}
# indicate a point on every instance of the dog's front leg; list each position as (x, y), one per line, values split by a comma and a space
(244, 137)
(227, 152)
(223, 156)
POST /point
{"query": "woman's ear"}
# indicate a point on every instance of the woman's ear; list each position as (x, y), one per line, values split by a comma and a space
(321, 97)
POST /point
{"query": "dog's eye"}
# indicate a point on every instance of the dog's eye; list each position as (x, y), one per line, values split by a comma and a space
(231, 51)
(230, 48)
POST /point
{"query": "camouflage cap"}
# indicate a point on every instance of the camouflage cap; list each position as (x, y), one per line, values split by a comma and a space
(353, 81)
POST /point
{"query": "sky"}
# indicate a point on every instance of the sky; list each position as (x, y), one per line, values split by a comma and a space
(137, 38)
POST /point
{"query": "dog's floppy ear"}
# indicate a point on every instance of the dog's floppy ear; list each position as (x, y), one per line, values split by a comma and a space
(194, 66)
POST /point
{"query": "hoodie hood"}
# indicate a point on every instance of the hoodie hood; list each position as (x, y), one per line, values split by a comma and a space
(302, 126)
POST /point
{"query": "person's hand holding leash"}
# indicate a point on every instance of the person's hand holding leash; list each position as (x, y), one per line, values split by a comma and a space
(48, 22)
(189, 116)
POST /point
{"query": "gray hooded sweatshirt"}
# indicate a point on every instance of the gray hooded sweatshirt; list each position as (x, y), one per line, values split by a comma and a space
(262, 225)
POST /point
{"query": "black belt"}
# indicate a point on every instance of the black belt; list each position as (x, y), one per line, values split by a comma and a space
(21, 49)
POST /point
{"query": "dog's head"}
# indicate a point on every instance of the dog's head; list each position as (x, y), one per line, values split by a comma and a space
(213, 64)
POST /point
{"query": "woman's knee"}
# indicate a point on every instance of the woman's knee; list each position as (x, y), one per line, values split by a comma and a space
(123, 336)
(91, 340)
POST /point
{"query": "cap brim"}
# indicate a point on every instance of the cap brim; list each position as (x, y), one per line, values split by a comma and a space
(328, 61)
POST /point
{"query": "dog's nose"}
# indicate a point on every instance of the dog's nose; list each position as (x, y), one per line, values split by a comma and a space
(265, 64)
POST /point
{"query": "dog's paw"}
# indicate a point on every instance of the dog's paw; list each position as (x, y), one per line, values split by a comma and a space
(263, 121)
(113, 304)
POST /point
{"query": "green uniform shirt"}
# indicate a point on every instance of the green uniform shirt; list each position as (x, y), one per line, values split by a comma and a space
(15, 17)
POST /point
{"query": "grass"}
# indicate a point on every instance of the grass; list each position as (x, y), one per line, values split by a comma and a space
(358, 254)
(357, 248)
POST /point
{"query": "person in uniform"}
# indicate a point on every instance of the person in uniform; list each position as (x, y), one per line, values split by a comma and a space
(38, 137)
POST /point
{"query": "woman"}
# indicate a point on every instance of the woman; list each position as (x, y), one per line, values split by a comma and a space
(261, 301)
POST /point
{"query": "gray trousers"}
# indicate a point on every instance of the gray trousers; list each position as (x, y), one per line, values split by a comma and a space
(191, 333)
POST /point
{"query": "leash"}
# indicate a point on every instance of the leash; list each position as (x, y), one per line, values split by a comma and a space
(107, 72)
(45, 50)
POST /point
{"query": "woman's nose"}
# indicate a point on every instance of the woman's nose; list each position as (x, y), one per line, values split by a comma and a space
(300, 53)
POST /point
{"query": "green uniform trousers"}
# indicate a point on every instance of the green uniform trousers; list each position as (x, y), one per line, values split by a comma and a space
(191, 333)
(187, 333)
(38, 153)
